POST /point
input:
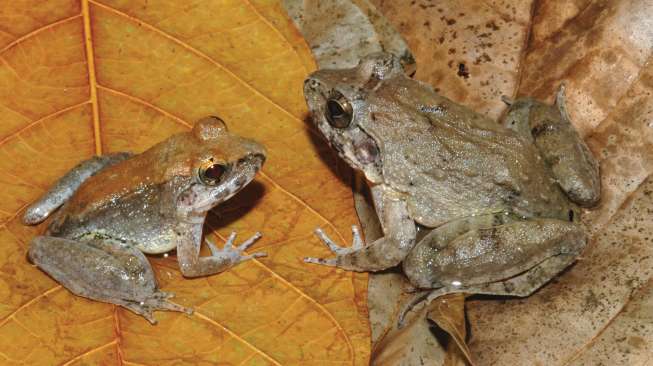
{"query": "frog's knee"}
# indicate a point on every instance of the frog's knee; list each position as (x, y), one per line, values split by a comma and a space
(40, 248)
(189, 270)
(418, 269)
(583, 189)
(34, 215)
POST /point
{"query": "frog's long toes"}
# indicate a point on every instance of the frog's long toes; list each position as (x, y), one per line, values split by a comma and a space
(411, 304)
(163, 295)
(252, 256)
(230, 240)
(322, 261)
(335, 248)
(212, 247)
(242, 247)
(171, 306)
(358, 241)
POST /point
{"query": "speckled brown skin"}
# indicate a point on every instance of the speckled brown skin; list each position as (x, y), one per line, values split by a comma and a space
(501, 199)
(115, 208)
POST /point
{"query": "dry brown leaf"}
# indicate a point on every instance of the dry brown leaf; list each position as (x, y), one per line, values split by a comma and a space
(448, 312)
(468, 50)
(84, 77)
(602, 50)
(341, 32)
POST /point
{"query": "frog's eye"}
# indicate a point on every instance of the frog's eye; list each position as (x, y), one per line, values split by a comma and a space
(338, 111)
(211, 174)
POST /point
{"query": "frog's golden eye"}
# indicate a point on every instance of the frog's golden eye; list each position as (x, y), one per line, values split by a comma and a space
(211, 173)
(338, 111)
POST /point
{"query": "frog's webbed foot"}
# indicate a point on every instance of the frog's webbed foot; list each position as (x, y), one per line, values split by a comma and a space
(339, 251)
(235, 253)
(157, 301)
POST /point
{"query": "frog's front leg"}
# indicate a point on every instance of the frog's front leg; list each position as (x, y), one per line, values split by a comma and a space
(399, 237)
(103, 269)
(551, 131)
(189, 239)
(66, 186)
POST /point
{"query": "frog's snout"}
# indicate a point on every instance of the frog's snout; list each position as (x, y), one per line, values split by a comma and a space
(254, 159)
(310, 84)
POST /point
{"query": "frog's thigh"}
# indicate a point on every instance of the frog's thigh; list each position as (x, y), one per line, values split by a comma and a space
(66, 186)
(101, 270)
(493, 254)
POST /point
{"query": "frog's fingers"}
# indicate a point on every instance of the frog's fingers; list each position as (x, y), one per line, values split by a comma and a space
(230, 241)
(214, 250)
(252, 256)
(358, 241)
(330, 243)
(247, 243)
(322, 261)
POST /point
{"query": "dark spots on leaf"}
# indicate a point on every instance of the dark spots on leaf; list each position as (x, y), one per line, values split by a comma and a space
(463, 71)
(482, 59)
(492, 25)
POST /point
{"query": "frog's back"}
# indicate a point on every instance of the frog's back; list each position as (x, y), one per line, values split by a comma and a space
(128, 201)
(454, 163)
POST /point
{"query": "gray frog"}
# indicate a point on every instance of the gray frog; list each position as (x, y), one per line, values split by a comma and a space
(109, 210)
(501, 200)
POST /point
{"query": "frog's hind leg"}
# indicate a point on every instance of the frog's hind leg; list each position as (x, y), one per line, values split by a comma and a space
(513, 259)
(102, 269)
(521, 285)
(491, 254)
(558, 142)
(66, 186)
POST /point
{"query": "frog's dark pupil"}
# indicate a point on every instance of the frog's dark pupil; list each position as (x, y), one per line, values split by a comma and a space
(335, 110)
(338, 114)
(214, 172)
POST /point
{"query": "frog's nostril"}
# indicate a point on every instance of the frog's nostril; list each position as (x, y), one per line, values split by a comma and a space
(253, 159)
(311, 83)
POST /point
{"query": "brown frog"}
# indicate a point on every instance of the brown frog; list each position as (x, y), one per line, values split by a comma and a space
(500, 200)
(109, 210)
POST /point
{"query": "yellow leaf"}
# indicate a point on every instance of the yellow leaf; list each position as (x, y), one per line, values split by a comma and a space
(79, 78)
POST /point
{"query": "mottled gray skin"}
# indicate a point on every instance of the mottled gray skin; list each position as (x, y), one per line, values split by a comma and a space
(501, 199)
(110, 210)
